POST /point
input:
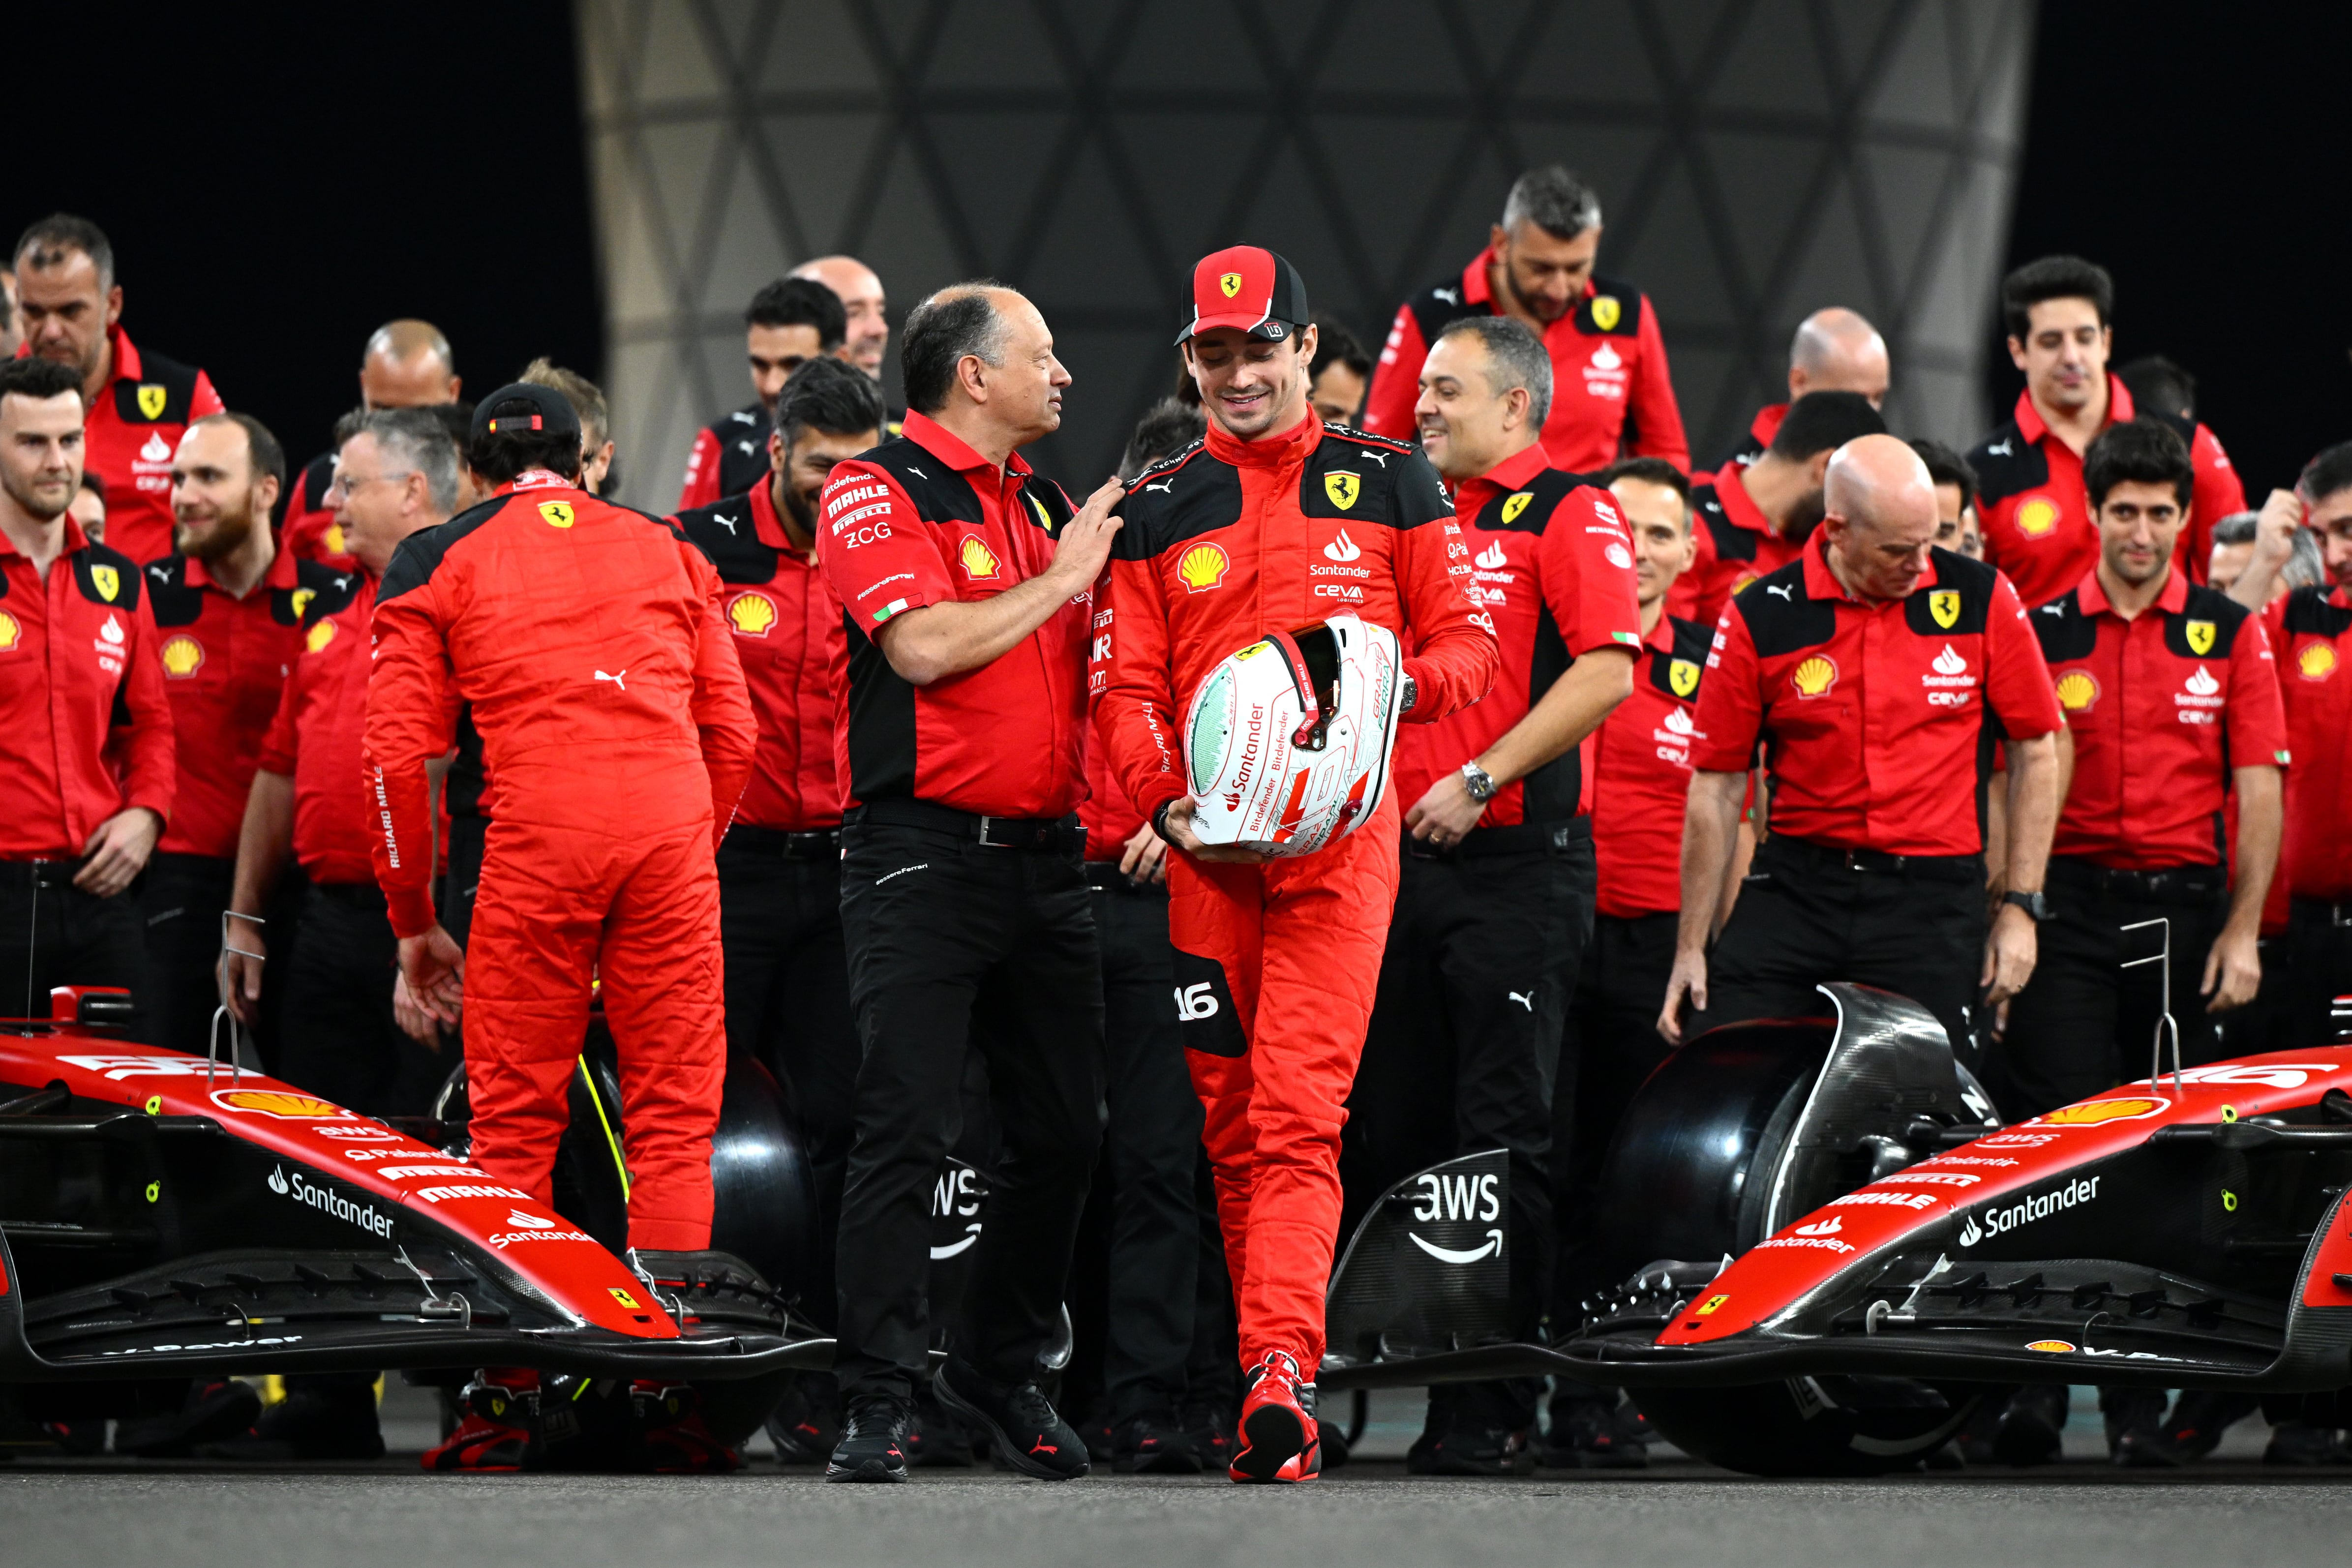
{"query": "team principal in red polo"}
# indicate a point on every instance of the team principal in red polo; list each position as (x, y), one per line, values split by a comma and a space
(1876, 671)
(2172, 706)
(965, 580)
(1272, 523)
(1611, 391)
(78, 665)
(2037, 521)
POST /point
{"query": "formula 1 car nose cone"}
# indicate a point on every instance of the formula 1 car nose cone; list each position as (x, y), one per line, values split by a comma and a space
(1287, 743)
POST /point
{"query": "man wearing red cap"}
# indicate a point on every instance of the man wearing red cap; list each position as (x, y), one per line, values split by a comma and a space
(1274, 522)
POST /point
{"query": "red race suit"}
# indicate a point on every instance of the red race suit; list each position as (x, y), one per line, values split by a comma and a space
(589, 642)
(1611, 394)
(1277, 964)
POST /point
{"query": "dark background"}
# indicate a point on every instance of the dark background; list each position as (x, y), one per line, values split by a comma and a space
(275, 192)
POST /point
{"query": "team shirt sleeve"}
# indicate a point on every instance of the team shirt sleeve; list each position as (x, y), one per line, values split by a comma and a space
(204, 402)
(1456, 654)
(2017, 687)
(154, 764)
(1396, 379)
(411, 719)
(2256, 712)
(1587, 572)
(876, 551)
(722, 703)
(1730, 700)
(2216, 493)
(700, 485)
(1657, 419)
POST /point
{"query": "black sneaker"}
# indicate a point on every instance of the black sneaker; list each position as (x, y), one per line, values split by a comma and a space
(2030, 1429)
(1596, 1433)
(211, 1412)
(2135, 1424)
(1101, 1438)
(937, 1437)
(1019, 1422)
(337, 1421)
(2200, 1418)
(873, 1445)
(802, 1426)
(1153, 1444)
(1478, 1430)
(2297, 1443)
(1208, 1423)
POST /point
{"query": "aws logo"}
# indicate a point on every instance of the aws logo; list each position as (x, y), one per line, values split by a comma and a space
(752, 613)
(2315, 662)
(1814, 676)
(2078, 691)
(1203, 567)
(182, 656)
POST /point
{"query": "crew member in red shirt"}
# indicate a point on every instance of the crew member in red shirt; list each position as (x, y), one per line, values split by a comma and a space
(1835, 350)
(965, 580)
(1496, 884)
(2037, 520)
(787, 982)
(1274, 522)
(137, 404)
(405, 364)
(1611, 393)
(78, 664)
(1873, 669)
(1749, 521)
(228, 616)
(2172, 705)
(789, 322)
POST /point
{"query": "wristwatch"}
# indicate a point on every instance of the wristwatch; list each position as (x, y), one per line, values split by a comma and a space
(1479, 783)
(1411, 694)
(2033, 904)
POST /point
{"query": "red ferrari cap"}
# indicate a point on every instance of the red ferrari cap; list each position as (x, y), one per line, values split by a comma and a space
(1249, 287)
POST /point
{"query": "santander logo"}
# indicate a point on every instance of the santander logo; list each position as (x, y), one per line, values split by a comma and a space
(1341, 549)
(1606, 358)
(1950, 662)
(2203, 683)
(1491, 558)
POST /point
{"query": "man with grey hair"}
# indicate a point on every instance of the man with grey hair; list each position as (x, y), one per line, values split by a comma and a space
(1496, 885)
(1834, 349)
(1869, 668)
(407, 363)
(1612, 394)
(135, 404)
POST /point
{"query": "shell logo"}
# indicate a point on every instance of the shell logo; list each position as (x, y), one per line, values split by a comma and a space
(2078, 691)
(11, 632)
(2037, 517)
(752, 613)
(2050, 1347)
(333, 540)
(2315, 662)
(284, 1106)
(979, 561)
(320, 635)
(182, 656)
(2094, 1112)
(1203, 566)
(1814, 676)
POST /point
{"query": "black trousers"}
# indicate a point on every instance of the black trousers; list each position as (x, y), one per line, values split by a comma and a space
(2085, 1023)
(339, 1040)
(951, 943)
(2318, 955)
(1153, 1149)
(52, 933)
(1805, 916)
(182, 903)
(1483, 955)
(788, 1006)
(1611, 1046)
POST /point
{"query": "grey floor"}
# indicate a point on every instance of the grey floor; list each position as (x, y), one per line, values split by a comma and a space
(2081, 1513)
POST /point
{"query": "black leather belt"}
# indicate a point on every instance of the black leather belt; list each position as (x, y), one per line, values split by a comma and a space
(2187, 885)
(2321, 911)
(22, 876)
(824, 844)
(1799, 854)
(1052, 834)
(1513, 839)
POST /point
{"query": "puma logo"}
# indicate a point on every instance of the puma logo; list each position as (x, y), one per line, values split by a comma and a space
(2001, 451)
(615, 679)
(726, 522)
(1379, 458)
(917, 472)
(1525, 999)
(1165, 485)
(1784, 590)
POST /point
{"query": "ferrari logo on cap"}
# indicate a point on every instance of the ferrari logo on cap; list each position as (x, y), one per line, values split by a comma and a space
(979, 561)
(107, 581)
(1514, 504)
(752, 613)
(558, 514)
(1943, 604)
(1682, 678)
(182, 656)
(2201, 637)
(1606, 312)
(150, 401)
(1231, 283)
(1343, 488)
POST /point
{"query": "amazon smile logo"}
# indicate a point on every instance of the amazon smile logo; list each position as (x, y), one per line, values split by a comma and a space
(1469, 1196)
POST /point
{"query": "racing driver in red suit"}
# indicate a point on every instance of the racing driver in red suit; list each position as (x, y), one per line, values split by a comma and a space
(616, 729)
(1271, 523)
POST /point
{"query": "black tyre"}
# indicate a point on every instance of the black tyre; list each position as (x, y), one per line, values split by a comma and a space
(1812, 1426)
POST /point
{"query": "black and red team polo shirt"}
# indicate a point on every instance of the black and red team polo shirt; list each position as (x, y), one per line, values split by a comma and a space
(1641, 770)
(129, 436)
(921, 520)
(2036, 513)
(1736, 544)
(2311, 633)
(319, 732)
(788, 636)
(226, 661)
(1551, 566)
(1878, 720)
(2162, 707)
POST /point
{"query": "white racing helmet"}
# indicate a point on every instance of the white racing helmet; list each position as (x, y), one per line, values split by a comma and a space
(1287, 743)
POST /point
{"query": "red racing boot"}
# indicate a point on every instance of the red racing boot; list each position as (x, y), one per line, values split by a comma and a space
(501, 1427)
(1278, 1435)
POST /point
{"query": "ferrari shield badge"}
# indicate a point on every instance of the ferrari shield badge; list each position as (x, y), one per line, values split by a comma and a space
(558, 514)
(107, 581)
(2201, 637)
(1231, 283)
(1514, 504)
(1943, 604)
(301, 600)
(1343, 488)
(150, 401)
(1606, 312)
(1682, 677)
